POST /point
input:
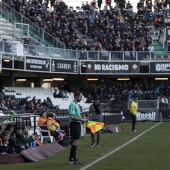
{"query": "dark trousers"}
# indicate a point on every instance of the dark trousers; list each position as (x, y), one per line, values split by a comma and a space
(133, 121)
(93, 137)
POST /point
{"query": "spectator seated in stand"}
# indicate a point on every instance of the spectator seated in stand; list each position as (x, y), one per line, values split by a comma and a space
(42, 122)
(86, 8)
(5, 148)
(5, 105)
(39, 106)
(60, 94)
(118, 21)
(2, 105)
(30, 106)
(22, 139)
(49, 103)
(53, 126)
(129, 5)
(55, 93)
(12, 139)
(156, 22)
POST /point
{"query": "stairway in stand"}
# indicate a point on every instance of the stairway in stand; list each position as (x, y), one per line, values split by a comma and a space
(157, 46)
(159, 52)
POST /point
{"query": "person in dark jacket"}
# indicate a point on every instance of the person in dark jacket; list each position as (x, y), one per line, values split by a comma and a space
(96, 114)
(5, 148)
(99, 4)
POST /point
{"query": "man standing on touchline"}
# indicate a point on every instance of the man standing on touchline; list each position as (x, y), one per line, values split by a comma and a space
(75, 126)
(133, 112)
(96, 114)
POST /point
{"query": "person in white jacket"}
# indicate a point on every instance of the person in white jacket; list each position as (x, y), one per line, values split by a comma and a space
(164, 102)
(151, 50)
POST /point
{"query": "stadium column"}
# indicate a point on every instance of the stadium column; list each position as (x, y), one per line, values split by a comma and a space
(38, 82)
(12, 82)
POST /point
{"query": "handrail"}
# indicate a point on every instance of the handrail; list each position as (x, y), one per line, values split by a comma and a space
(12, 48)
(43, 35)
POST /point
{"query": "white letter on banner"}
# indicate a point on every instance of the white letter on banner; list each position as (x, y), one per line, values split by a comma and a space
(97, 67)
(103, 67)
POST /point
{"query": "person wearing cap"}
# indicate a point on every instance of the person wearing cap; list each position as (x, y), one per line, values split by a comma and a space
(133, 112)
(95, 114)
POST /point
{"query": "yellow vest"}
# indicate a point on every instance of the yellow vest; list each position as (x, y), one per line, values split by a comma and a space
(133, 108)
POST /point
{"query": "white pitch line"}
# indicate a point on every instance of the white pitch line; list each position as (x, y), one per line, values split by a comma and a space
(113, 151)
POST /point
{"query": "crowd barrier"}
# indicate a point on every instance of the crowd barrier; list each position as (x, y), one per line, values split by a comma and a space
(34, 154)
(18, 49)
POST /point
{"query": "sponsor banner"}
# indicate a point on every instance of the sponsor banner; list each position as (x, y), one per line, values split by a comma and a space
(37, 64)
(160, 67)
(165, 114)
(148, 114)
(67, 66)
(112, 67)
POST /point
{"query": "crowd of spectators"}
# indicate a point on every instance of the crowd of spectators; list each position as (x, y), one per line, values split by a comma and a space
(121, 29)
(126, 91)
(116, 28)
(54, 21)
(10, 104)
(14, 139)
(104, 88)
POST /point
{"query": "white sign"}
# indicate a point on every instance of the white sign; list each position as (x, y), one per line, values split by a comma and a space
(146, 116)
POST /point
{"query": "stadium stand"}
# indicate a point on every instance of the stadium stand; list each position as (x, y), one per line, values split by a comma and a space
(43, 94)
(114, 33)
(36, 34)
(104, 88)
(85, 32)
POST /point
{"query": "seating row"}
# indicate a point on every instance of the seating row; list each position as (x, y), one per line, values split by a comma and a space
(43, 93)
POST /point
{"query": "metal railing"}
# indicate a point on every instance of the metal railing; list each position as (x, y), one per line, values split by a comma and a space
(35, 31)
(146, 104)
(12, 47)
